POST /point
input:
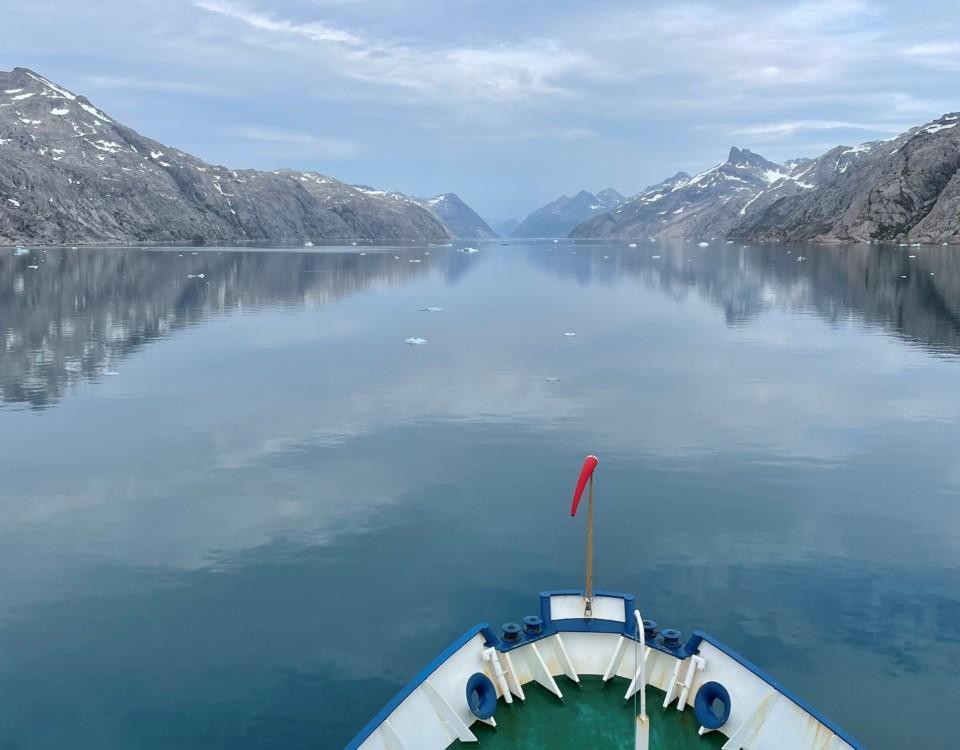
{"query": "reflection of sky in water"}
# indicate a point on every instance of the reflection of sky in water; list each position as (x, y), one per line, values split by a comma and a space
(273, 477)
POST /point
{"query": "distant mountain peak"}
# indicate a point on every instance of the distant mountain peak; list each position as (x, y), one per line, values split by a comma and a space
(744, 157)
(558, 217)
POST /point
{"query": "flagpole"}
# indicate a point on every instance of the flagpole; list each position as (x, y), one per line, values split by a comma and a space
(586, 475)
(588, 591)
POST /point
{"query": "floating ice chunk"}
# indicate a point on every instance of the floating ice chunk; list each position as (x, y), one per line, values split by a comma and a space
(655, 257)
(308, 243)
(470, 250)
(552, 380)
(903, 277)
(431, 309)
(33, 268)
(703, 244)
(362, 253)
(911, 256)
(196, 276)
(353, 243)
(110, 372)
(606, 257)
(569, 333)
(19, 250)
(414, 260)
(729, 242)
(632, 244)
(415, 341)
(555, 242)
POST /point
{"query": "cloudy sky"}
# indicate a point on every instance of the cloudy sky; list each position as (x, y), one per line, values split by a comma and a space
(507, 103)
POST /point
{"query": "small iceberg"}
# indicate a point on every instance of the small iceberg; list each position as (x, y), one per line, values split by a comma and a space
(414, 260)
(19, 250)
(569, 333)
(655, 257)
(470, 250)
(308, 243)
(33, 268)
(552, 380)
(555, 242)
(703, 244)
(431, 309)
(196, 276)
(632, 244)
(415, 341)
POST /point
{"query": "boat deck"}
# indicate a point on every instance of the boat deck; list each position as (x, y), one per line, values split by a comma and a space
(591, 716)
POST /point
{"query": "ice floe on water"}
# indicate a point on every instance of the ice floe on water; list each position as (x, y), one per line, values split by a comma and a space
(431, 309)
(703, 244)
(415, 341)
(469, 250)
(196, 276)
(569, 333)
(19, 250)
(414, 260)
(552, 380)
(308, 243)
(632, 244)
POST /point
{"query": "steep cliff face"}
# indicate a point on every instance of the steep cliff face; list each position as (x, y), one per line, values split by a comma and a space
(69, 173)
(905, 189)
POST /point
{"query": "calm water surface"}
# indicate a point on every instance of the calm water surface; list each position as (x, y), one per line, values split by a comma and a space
(238, 511)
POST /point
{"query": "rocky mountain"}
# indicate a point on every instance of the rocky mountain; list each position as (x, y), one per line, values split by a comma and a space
(706, 205)
(462, 221)
(70, 173)
(905, 189)
(556, 219)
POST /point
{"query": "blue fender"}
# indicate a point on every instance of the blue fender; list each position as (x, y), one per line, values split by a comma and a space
(481, 696)
(707, 695)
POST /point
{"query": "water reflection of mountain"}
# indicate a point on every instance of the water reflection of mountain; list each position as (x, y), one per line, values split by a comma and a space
(911, 292)
(78, 313)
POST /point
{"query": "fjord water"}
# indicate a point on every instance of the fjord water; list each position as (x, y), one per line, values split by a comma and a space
(239, 512)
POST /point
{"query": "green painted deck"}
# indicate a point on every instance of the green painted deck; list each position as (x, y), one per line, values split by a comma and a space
(592, 716)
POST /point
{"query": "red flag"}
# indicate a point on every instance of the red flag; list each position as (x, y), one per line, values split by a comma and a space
(589, 464)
